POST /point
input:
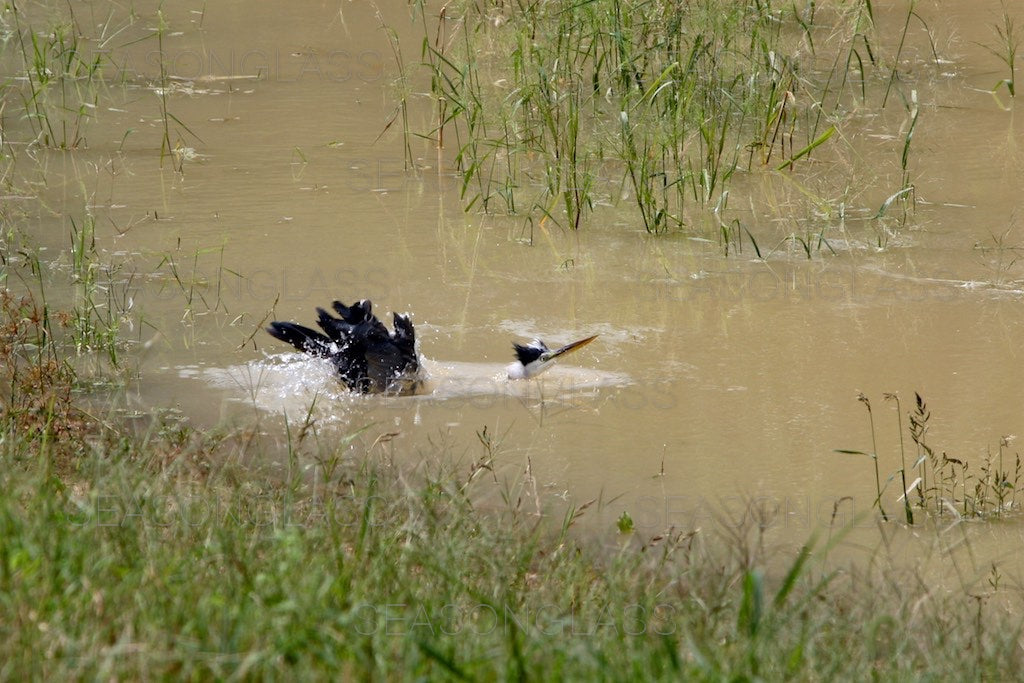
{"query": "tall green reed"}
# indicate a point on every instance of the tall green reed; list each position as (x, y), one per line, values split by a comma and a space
(873, 455)
(176, 151)
(102, 294)
(1006, 50)
(556, 108)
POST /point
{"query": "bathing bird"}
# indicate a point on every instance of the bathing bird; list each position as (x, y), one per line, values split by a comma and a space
(369, 358)
(366, 355)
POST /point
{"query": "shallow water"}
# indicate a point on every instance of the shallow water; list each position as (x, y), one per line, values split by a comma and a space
(714, 380)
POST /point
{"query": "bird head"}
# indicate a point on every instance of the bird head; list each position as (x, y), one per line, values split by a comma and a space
(536, 357)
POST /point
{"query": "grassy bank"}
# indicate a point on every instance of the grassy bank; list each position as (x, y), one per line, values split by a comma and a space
(138, 548)
(154, 557)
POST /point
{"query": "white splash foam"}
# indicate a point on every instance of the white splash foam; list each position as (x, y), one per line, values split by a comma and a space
(295, 384)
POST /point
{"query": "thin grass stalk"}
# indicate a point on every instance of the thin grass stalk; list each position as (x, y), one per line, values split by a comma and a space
(899, 52)
(874, 446)
(907, 511)
(164, 82)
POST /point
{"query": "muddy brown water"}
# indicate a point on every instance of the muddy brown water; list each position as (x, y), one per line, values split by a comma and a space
(715, 379)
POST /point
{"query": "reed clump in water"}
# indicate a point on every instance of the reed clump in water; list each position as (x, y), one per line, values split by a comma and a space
(60, 77)
(61, 80)
(554, 108)
(945, 485)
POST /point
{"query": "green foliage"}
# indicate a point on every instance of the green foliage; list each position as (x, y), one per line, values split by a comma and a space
(61, 81)
(158, 555)
(578, 103)
(1006, 48)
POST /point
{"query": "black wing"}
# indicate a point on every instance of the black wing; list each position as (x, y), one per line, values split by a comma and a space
(367, 357)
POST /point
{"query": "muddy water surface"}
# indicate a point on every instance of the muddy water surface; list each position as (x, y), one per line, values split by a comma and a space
(715, 379)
